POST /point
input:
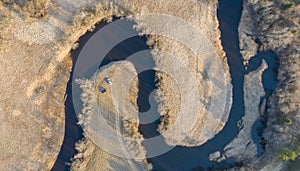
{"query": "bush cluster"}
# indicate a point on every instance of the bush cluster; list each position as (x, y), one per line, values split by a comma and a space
(288, 154)
(30, 8)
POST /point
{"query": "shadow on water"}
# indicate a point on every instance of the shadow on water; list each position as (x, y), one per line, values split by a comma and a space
(73, 132)
(179, 158)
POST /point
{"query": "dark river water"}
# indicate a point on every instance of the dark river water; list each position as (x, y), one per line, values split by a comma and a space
(180, 158)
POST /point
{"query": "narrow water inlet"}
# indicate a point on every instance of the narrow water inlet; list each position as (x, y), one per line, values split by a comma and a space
(269, 82)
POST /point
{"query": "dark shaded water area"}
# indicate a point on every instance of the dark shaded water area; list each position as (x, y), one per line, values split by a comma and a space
(269, 81)
(179, 158)
(73, 133)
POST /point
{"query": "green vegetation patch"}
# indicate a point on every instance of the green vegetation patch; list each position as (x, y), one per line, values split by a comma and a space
(295, 32)
(287, 121)
(288, 6)
(283, 120)
(288, 154)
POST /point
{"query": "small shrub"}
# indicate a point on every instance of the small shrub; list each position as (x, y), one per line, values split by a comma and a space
(287, 121)
(36, 8)
(4, 43)
(294, 32)
(75, 46)
(288, 6)
(283, 119)
(288, 154)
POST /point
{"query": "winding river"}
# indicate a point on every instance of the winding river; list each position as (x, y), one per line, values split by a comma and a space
(179, 158)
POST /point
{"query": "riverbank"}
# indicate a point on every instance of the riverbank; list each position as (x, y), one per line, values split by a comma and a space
(35, 68)
(243, 148)
(199, 71)
(267, 25)
(36, 65)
